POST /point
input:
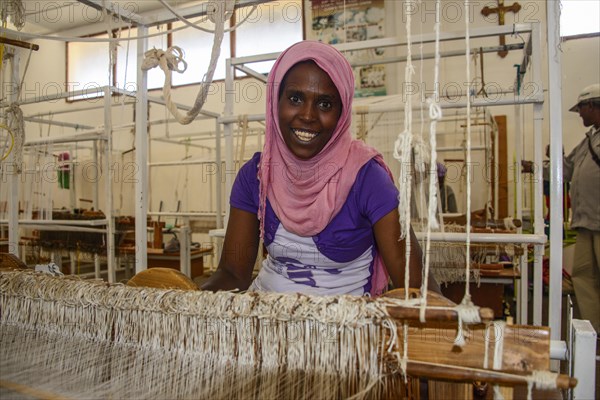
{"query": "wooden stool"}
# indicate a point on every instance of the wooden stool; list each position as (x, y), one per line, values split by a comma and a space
(9, 261)
(162, 278)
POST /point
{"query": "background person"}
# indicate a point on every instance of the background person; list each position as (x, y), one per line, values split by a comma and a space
(447, 198)
(582, 168)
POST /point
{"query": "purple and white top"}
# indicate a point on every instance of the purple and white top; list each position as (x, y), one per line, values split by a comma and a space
(339, 259)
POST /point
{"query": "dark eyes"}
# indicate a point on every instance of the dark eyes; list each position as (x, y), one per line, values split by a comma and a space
(324, 105)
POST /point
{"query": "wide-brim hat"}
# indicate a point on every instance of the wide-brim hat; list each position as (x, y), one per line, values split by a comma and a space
(589, 93)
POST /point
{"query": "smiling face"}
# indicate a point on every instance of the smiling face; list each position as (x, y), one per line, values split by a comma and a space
(309, 109)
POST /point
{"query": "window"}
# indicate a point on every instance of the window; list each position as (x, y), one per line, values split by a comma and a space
(87, 63)
(579, 17)
(87, 67)
(197, 47)
(127, 60)
(282, 17)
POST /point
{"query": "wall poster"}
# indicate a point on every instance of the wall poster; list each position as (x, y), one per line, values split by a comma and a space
(343, 21)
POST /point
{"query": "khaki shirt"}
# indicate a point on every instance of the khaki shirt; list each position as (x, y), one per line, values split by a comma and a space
(584, 174)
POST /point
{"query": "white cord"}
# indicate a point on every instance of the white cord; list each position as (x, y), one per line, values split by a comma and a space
(435, 114)
(468, 145)
(498, 353)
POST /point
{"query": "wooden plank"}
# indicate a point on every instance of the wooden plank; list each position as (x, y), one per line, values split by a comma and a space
(29, 391)
(526, 348)
(502, 164)
(439, 390)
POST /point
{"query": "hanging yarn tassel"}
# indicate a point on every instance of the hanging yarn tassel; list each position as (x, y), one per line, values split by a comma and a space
(15, 10)
(402, 151)
(435, 114)
(467, 313)
(171, 58)
(421, 154)
(17, 127)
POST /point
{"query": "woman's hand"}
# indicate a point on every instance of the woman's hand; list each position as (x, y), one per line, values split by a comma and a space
(239, 253)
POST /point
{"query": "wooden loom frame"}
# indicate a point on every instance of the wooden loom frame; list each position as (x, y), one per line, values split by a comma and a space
(431, 350)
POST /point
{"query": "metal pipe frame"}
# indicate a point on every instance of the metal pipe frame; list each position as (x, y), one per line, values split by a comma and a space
(180, 163)
(556, 168)
(182, 213)
(484, 237)
(141, 157)
(56, 123)
(538, 250)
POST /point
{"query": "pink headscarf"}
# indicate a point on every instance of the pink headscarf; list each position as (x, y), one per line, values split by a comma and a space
(307, 194)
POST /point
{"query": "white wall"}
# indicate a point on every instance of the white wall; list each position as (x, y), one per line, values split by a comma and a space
(580, 68)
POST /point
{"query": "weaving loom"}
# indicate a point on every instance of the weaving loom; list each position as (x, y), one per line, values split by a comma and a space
(72, 338)
(487, 259)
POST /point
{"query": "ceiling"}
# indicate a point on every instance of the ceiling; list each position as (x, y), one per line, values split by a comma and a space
(51, 17)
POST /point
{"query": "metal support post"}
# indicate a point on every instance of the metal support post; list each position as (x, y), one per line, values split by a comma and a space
(141, 158)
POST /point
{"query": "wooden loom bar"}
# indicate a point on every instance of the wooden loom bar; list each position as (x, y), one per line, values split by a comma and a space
(20, 43)
(452, 373)
(435, 315)
(29, 391)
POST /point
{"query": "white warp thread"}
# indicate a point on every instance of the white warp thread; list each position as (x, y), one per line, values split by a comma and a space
(85, 338)
(467, 297)
(498, 354)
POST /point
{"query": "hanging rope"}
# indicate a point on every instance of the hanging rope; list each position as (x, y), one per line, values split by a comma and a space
(112, 46)
(403, 144)
(173, 57)
(402, 153)
(467, 311)
(17, 127)
(169, 61)
(482, 91)
(435, 114)
(467, 297)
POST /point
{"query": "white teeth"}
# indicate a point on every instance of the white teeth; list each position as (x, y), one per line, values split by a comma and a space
(304, 136)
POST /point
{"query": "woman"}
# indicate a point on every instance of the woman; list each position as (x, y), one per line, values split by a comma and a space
(324, 204)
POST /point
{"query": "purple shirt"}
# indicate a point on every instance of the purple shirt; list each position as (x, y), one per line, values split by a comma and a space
(337, 260)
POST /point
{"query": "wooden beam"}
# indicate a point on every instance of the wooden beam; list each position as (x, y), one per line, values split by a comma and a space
(502, 172)
(19, 43)
(500, 377)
